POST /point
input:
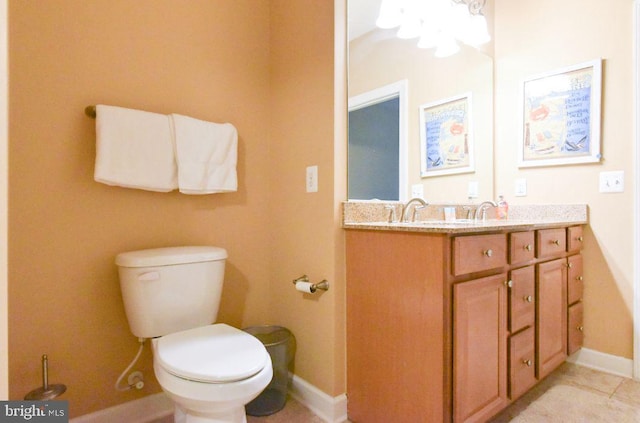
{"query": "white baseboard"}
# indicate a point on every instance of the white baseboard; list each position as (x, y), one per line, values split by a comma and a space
(604, 362)
(328, 408)
(143, 410)
(157, 406)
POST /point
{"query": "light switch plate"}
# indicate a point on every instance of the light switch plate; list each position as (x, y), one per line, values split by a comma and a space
(472, 190)
(612, 181)
(312, 179)
(417, 191)
(521, 187)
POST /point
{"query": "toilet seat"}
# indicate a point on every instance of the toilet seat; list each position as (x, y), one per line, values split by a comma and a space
(212, 354)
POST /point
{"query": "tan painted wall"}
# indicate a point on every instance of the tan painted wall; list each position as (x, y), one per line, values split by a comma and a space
(306, 239)
(528, 36)
(210, 60)
(4, 328)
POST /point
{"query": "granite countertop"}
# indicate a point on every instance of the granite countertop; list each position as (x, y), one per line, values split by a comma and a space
(373, 215)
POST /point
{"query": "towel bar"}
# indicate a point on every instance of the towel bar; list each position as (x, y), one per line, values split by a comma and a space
(90, 111)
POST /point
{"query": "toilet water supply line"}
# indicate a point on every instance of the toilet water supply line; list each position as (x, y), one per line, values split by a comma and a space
(135, 379)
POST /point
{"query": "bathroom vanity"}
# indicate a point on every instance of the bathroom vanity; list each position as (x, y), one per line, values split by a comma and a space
(454, 321)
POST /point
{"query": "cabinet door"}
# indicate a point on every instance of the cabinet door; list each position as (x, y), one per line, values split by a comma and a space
(575, 280)
(552, 316)
(522, 374)
(522, 311)
(479, 348)
(575, 326)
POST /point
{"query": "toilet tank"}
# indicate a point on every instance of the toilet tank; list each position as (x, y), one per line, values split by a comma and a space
(168, 290)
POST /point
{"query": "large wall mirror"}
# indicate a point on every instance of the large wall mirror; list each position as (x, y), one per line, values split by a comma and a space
(379, 60)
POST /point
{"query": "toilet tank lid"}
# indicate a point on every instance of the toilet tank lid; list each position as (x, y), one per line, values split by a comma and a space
(170, 255)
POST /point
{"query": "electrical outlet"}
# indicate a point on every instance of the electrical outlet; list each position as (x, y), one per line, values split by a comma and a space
(417, 191)
(612, 181)
(472, 190)
(521, 187)
(312, 179)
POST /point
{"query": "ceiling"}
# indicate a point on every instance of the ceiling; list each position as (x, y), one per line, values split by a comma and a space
(362, 15)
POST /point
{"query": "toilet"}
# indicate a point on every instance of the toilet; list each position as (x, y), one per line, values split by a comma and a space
(210, 371)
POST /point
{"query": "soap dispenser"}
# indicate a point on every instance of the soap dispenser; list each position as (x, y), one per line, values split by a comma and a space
(503, 208)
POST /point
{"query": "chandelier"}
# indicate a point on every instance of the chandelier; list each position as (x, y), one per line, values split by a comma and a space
(439, 24)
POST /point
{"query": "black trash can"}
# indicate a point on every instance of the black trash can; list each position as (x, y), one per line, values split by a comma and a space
(280, 344)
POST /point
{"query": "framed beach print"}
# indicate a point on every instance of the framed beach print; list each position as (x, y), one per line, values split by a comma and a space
(446, 137)
(561, 117)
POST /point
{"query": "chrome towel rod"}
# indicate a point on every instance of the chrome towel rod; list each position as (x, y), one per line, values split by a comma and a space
(90, 111)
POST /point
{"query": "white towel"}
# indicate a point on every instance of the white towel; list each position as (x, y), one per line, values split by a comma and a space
(207, 154)
(134, 149)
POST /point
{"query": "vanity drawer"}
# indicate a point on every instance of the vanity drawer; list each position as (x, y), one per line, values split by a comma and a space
(574, 238)
(521, 247)
(479, 252)
(551, 242)
(575, 280)
(521, 363)
(522, 291)
(575, 328)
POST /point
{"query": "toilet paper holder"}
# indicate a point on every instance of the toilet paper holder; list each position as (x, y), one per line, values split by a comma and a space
(323, 284)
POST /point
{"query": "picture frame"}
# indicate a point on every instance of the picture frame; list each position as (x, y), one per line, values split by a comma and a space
(446, 136)
(560, 113)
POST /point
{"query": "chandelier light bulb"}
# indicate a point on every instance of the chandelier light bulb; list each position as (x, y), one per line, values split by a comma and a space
(390, 15)
(438, 23)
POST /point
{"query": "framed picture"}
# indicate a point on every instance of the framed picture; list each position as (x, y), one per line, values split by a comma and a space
(446, 137)
(561, 117)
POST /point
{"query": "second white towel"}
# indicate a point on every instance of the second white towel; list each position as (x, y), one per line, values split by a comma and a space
(206, 154)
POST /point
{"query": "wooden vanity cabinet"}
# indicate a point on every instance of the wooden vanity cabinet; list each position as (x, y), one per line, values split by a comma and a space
(453, 327)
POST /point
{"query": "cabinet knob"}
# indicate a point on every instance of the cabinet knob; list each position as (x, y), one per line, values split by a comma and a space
(556, 242)
(527, 363)
(579, 278)
(528, 298)
(569, 265)
(509, 283)
(580, 239)
(488, 252)
(528, 247)
(580, 328)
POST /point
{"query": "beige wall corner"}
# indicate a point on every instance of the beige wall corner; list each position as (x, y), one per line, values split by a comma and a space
(4, 312)
(303, 224)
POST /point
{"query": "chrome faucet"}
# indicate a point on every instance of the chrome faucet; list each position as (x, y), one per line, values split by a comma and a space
(405, 208)
(481, 211)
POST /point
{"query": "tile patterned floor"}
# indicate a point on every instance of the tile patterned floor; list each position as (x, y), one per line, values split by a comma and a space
(572, 394)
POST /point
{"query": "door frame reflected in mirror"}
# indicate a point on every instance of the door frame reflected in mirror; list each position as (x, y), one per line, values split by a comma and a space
(395, 90)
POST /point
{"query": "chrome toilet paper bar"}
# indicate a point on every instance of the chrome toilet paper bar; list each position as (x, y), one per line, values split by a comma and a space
(302, 284)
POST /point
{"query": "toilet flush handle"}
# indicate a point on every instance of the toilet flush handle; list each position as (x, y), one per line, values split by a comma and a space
(149, 276)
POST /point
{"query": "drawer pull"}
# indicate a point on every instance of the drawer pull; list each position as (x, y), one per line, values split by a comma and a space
(528, 247)
(580, 239)
(569, 265)
(579, 278)
(528, 298)
(527, 363)
(580, 328)
(508, 283)
(488, 252)
(556, 242)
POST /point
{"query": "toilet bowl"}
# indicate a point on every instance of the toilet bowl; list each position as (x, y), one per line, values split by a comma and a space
(206, 382)
(210, 371)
